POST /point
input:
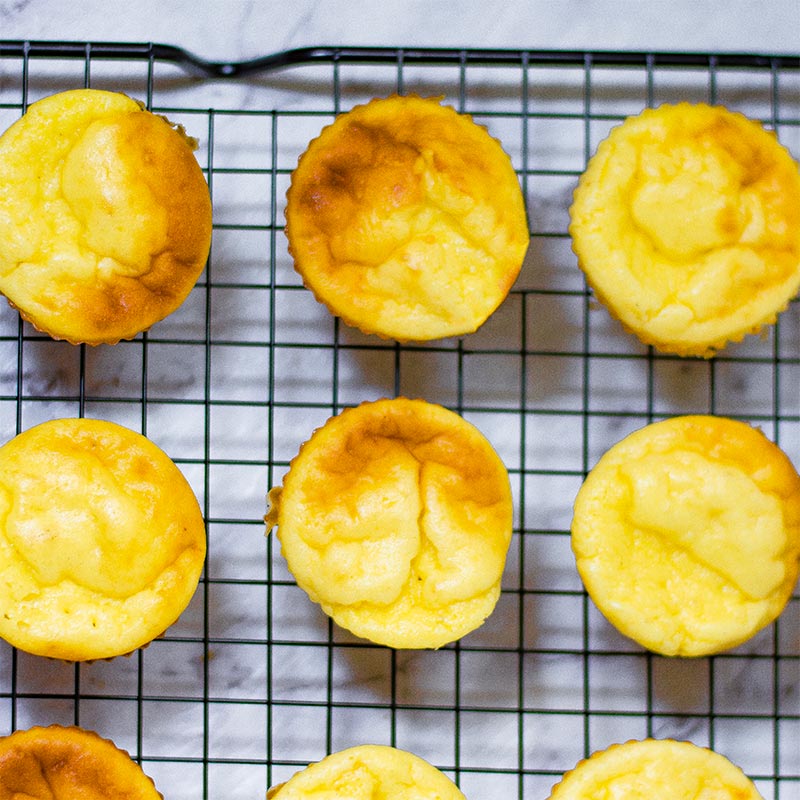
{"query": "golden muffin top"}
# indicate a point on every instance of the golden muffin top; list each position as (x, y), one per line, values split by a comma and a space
(655, 769)
(406, 219)
(687, 534)
(102, 540)
(396, 518)
(369, 772)
(687, 225)
(66, 763)
(105, 216)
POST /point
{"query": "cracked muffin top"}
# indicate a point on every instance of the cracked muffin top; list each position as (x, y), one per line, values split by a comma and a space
(686, 224)
(687, 534)
(368, 772)
(396, 518)
(63, 763)
(406, 219)
(105, 216)
(102, 540)
(655, 769)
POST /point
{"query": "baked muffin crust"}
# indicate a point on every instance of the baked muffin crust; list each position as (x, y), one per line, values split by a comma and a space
(396, 518)
(102, 540)
(687, 534)
(369, 772)
(406, 219)
(655, 769)
(686, 224)
(105, 216)
(69, 762)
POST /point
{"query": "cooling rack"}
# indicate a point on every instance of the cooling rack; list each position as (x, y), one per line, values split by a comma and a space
(253, 681)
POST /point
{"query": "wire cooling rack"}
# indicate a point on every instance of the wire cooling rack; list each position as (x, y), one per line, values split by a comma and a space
(253, 681)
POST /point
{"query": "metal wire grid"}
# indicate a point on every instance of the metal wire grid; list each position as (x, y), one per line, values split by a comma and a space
(253, 681)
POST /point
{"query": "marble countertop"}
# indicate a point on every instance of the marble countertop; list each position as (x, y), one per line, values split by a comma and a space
(253, 681)
(230, 29)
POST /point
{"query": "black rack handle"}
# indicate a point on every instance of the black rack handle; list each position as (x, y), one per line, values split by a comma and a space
(195, 64)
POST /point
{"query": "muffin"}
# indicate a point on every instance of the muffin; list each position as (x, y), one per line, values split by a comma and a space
(102, 541)
(368, 771)
(686, 534)
(686, 223)
(657, 769)
(406, 219)
(396, 517)
(69, 762)
(105, 216)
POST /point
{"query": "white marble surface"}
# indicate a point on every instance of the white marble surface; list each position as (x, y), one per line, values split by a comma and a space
(252, 681)
(228, 29)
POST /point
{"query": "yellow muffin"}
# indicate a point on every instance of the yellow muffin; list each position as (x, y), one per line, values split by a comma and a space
(105, 217)
(396, 518)
(687, 534)
(368, 772)
(406, 219)
(69, 762)
(686, 223)
(655, 769)
(102, 541)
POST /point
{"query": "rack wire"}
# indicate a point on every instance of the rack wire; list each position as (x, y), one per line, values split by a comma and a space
(253, 682)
